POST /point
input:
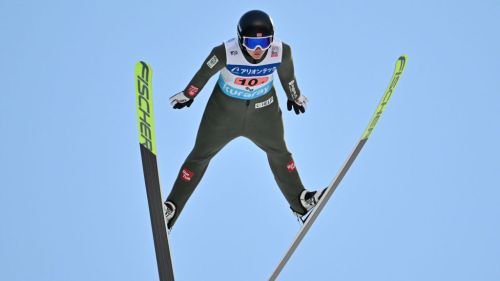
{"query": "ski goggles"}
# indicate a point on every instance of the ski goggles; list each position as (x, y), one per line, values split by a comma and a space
(251, 43)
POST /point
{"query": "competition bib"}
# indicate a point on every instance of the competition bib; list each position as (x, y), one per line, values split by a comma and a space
(243, 80)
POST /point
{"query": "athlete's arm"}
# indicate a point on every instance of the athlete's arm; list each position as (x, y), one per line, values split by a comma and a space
(286, 74)
(215, 61)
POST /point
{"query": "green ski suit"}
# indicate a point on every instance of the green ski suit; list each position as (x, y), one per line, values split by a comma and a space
(226, 118)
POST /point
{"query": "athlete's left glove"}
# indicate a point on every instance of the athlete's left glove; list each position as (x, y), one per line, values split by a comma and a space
(180, 100)
(299, 104)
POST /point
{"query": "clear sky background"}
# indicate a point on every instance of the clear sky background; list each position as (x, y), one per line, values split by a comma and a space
(421, 202)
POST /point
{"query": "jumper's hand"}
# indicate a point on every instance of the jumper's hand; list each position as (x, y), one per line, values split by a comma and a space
(180, 100)
(299, 105)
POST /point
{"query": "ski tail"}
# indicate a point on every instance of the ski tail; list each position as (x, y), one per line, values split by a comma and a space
(144, 103)
(400, 66)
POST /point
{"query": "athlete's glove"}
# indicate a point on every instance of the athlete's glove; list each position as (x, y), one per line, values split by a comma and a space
(180, 100)
(299, 104)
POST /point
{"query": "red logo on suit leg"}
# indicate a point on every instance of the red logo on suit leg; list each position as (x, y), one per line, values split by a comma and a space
(186, 175)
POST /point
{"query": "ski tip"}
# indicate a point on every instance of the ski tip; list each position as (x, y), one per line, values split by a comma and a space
(401, 63)
(142, 64)
(403, 58)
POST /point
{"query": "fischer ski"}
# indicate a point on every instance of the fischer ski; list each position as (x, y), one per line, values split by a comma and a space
(398, 71)
(144, 102)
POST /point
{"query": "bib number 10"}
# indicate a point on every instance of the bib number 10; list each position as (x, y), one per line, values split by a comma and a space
(251, 82)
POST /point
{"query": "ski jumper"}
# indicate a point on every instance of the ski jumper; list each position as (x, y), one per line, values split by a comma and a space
(242, 103)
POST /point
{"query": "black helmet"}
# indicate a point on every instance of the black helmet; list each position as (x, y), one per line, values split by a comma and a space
(255, 23)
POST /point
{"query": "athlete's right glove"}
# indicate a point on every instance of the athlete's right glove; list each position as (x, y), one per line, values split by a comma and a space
(180, 100)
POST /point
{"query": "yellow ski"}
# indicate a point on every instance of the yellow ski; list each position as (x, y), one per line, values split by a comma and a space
(398, 71)
(144, 102)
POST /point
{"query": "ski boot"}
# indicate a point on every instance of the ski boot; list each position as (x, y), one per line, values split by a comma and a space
(169, 210)
(308, 200)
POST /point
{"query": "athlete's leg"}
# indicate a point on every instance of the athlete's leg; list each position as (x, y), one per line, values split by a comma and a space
(214, 133)
(265, 129)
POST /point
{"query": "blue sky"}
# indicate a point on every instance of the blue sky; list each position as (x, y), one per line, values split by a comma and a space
(421, 202)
